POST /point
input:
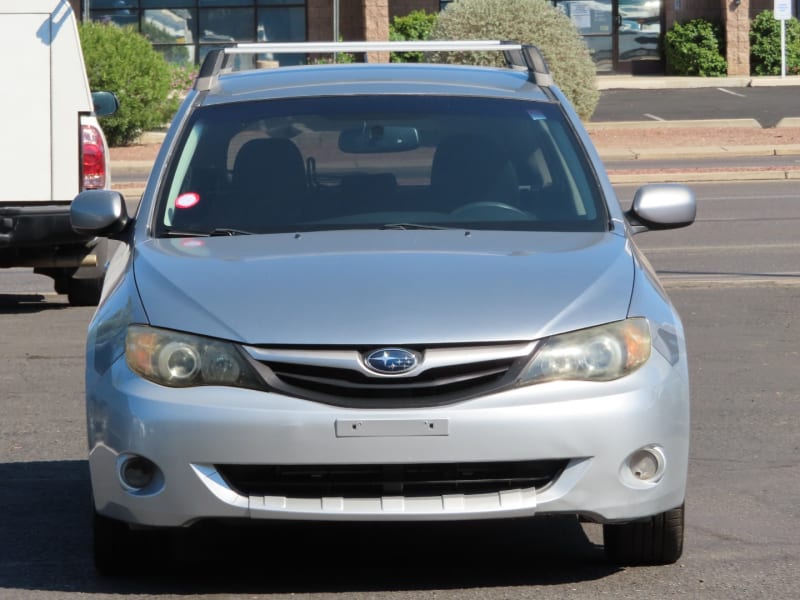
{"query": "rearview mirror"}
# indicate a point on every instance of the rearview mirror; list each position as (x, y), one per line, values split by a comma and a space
(378, 138)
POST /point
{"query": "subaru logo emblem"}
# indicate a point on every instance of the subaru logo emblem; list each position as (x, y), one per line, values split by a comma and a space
(390, 361)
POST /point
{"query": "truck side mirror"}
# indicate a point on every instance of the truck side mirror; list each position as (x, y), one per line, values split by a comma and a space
(105, 103)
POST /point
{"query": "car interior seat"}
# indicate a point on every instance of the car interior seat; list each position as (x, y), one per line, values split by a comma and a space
(468, 169)
(269, 183)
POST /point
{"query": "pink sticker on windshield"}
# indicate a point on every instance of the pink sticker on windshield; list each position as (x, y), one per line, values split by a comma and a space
(187, 200)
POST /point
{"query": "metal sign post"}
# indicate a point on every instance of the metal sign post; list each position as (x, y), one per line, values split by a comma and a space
(335, 24)
(783, 12)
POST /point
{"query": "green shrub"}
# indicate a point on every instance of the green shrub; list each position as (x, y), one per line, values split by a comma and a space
(528, 21)
(765, 45)
(416, 25)
(120, 60)
(696, 48)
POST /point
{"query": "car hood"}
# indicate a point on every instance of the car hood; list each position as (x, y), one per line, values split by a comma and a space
(385, 287)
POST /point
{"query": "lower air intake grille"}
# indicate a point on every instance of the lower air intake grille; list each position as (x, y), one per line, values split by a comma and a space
(373, 481)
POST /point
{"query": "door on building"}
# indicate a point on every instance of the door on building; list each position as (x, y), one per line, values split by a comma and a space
(624, 36)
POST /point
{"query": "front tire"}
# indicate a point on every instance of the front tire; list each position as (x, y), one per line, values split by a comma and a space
(657, 540)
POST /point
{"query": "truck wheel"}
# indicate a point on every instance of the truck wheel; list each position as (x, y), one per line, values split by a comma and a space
(657, 540)
(84, 292)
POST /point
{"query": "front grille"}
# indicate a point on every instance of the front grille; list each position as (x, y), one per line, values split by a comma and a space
(339, 376)
(374, 481)
(435, 382)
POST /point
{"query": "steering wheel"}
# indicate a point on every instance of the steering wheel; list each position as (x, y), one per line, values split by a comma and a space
(472, 206)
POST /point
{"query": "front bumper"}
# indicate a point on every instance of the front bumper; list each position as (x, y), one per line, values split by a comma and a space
(187, 433)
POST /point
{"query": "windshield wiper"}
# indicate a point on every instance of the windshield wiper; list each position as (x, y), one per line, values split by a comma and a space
(213, 233)
(228, 231)
(410, 226)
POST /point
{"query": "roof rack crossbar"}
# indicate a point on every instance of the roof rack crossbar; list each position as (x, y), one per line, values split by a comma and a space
(516, 55)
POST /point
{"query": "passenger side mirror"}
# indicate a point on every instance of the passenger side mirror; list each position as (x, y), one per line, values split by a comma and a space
(662, 206)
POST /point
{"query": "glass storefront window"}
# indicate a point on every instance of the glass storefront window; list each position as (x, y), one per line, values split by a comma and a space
(281, 25)
(167, 3)
(169, 26)
(226, 25)
(185, 30)
(589, 17)
(114, 4)
(118, 17)
(219, 3)
(640, 29)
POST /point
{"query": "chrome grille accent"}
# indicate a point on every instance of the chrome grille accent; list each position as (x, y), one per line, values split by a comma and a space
(340, 376)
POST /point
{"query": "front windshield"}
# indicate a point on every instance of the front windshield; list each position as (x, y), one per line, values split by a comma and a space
(391, 162)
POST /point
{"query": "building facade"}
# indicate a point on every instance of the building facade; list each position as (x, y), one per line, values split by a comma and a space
(625, 36)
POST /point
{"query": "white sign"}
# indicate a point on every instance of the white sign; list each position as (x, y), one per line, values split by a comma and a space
(581, 15)
(783, 10)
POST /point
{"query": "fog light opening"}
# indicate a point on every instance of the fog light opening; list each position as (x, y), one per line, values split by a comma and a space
(647, 464)
(137, 472)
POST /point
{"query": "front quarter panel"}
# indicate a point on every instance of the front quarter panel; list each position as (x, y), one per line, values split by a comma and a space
(106, 338)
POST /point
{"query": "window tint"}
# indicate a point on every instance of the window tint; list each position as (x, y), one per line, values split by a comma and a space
(366, 162)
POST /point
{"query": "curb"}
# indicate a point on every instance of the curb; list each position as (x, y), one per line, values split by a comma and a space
(622, 177)
(678, 124)
(662, 82)
(633, 154)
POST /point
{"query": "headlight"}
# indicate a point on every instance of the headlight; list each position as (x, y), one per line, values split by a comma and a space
(181, 360)
(598, 354)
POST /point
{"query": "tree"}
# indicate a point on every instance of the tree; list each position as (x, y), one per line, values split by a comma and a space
(120, 60)
(527, 21)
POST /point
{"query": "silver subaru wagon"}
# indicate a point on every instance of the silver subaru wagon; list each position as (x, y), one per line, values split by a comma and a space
(384, 292)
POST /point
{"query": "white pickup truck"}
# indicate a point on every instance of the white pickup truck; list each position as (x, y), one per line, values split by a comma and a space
(52, 147)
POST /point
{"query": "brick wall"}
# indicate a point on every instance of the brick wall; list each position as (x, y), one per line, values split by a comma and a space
(737, 35)
(376, 26)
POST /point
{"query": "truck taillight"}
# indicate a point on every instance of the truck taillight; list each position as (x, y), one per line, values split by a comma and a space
(93, 158)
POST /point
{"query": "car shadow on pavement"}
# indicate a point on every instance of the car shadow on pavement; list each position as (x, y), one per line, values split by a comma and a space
(45, 530)
(11, 304)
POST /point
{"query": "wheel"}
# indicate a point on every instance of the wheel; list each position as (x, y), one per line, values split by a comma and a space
(114, 546)
(84, 292)
(657, 540)
(61, 285)
(490, 205)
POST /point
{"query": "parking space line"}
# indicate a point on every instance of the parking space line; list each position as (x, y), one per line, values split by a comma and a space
(732, 93)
